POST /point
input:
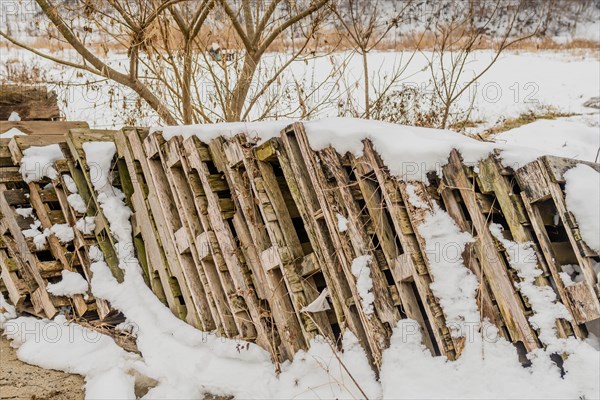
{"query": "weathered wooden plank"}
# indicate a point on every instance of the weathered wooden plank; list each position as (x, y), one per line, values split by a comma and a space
(10, 174)
(158, 264)
(15, 286)
(557, 166)
(42, 127)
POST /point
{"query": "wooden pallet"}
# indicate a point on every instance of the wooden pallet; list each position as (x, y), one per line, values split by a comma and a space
(542, 184)
(146, 226)
(261, 258)
(220, 218)
(335, 196)
(500, 183)
(82, 241)
(41, 266)
(191, 241)
(494, 266)
(159, 202)
(409, 269)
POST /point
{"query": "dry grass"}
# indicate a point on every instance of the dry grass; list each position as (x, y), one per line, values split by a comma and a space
(523, 119)
(462, 125)
(332, 40)
(325, 41)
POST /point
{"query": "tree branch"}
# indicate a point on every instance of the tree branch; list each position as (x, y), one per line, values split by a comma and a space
(104, 70)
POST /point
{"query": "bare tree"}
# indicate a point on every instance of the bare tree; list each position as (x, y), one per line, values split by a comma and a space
(466, 32)
(363, 24)
(167, 43)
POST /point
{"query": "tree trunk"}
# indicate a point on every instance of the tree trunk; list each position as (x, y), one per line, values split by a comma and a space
(366, 78)
(242, 87)
(186, 96)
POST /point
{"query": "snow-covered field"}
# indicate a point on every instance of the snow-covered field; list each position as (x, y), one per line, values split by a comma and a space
(517, 83)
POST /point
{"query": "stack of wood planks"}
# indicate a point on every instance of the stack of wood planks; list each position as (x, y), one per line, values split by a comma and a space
(237, 238)
(29, 102)
(27, 267)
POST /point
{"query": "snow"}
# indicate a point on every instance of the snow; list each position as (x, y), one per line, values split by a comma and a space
(414, 199)
(14, 116)
(99, 157)
(70, 184)
(583, 200)
(566, 279)
(86, 225)
(76, 201)
(543, 300)
(25, 212)
(567, 137)
(412, 152)
(57, 344)
(409, 152)
(189, 362)
(454, 285)
(7, 311)
(71, 284)
(37, 234)
(12, 132)
(263, 131)
(342, 223)
(38, 161)
(361, 270)
(95, 253)
(571, 273)
(488, 368)
(63, 232)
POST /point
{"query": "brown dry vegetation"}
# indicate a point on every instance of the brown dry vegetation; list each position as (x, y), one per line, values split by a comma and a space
(523, 119)
(325, 41)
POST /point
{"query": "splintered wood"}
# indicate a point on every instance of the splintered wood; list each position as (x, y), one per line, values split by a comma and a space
(239, 238)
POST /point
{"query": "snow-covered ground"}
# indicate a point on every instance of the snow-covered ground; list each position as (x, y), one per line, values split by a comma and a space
(517, 83)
